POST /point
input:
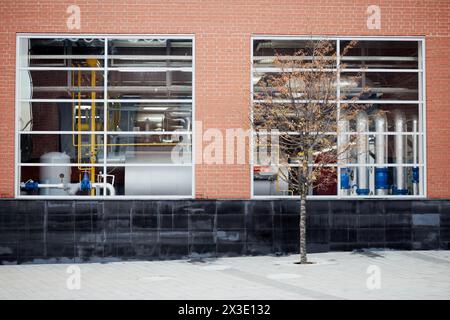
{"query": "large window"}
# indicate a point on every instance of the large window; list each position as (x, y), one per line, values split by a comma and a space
(105, 116)
(389, 160)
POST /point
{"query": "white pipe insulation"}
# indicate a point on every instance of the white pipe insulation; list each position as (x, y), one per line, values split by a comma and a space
(400, 126)
(380, 144)
(362, 127)
(343, 154)
(415, 154)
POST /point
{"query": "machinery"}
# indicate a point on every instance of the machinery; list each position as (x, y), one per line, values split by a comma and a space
(152, 156)
(371, 151)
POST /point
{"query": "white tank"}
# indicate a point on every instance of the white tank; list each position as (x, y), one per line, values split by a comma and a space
(54, 174)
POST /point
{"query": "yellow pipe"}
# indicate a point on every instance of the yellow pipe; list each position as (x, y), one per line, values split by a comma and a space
(93, 140)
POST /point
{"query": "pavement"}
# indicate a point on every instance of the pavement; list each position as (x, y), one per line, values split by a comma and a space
(369, 274)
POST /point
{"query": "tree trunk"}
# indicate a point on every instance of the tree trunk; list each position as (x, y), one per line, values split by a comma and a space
(303, 258)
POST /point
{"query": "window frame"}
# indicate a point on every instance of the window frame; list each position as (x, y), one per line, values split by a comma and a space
(104, 104)
(420, 102)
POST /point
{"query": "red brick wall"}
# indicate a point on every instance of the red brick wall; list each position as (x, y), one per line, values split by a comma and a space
(222, 31)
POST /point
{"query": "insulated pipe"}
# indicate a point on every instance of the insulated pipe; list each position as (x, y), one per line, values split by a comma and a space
(343, 155)
(362, 126)
(400, 126)
(415, 179)
(381, 173)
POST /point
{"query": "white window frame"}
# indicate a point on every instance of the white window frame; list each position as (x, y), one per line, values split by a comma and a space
(421, 103)
(105, 101)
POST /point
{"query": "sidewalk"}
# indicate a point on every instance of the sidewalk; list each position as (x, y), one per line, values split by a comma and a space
(336, 275)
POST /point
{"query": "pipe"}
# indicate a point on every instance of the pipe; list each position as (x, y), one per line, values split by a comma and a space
(109, 187)
(400, 126)
(381, 173)
(343, 154)
(362, 125)
(70, 187)
(415, 170)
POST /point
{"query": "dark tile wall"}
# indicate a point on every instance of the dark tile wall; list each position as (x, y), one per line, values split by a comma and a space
(35, 230)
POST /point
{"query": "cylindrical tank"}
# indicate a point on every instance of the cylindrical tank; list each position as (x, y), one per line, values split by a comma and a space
(52, 174)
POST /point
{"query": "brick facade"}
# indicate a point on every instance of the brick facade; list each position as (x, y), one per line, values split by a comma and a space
(222, 32)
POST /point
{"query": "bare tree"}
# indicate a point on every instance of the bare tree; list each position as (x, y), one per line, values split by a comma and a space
(299, 100)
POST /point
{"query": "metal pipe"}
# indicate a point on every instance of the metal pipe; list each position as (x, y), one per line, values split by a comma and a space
(362, 124)
(415, 178)
(343, 153)
(109, 187)
(400, 127)
(73, 187)
(381, 186)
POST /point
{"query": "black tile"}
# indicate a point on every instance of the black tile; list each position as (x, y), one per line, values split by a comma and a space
(260, 236)
(259, 221)
(168, 251)
(344, 207)
(231, 249)
(58, 207)
(235, 207)
(403, 235)
(230, 236)
(263, 207)
(371, 235)
(202, 237)
(317, 207)
(343, 235)
(372, 221)
(258, 248)
(8, 252)
(397, 206)
(425, 238)
(200, 221)
(425, 206)
(398, 220)
(230, 221)
(174, 237)
(146, 250)
(444, 234)
(317, 247)
(205, 250)
(144, 236)
(145, 221)
(318, 235)
(344, 221)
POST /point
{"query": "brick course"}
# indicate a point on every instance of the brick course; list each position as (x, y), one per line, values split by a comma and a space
(222, 32)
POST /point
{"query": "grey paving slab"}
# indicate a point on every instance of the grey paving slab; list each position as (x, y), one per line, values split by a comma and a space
(334, 275)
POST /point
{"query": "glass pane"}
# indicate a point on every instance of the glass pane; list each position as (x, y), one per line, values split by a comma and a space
(150, 53)
(149, 85)
(165, 149)
(60, 148)
(66, 52)
(61, 84)
(149, 117)
(376, 112)
(61, 116)
(380, 54)
(282, 181)
(57, 181)
(152, 181)
(380, 85)
(384, 181)
(263, 48)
